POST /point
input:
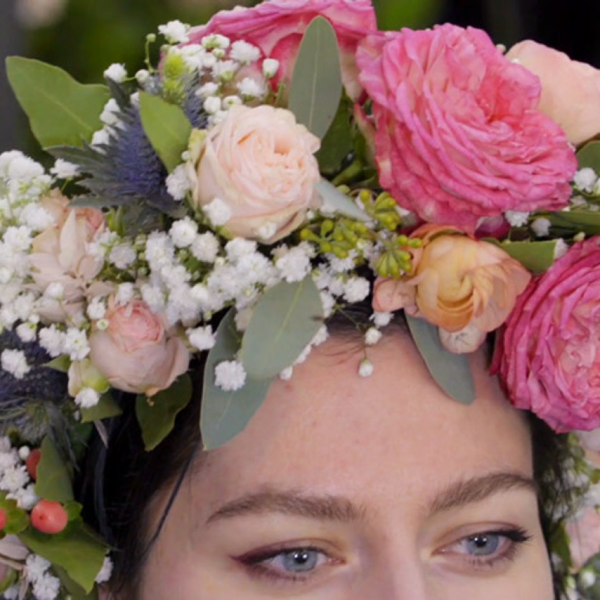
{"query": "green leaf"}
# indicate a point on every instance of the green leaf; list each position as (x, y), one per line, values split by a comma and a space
(156, 415)
(17, 519)
(536, 257)
(338, 141)
(338, 202)
(167, 128)
(284, 321)
(576, 221)
(10, 578)
(62, 364)
(79, 552)
(76, 592)
(589, 156)
(316, 86)
(53, 480)
(226, 414)
(105, 409)
(61, 110)
(450, 371)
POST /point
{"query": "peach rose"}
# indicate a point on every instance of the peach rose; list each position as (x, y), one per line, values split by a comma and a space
(570, 89)
(464, 286)
(60, 254)
(260, 163)
(137, 353)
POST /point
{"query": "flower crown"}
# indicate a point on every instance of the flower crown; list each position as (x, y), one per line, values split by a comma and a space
(280, 163)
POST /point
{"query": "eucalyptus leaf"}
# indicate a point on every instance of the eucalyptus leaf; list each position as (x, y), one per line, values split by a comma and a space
(226, 414)
(337, 202)
(167, 128)
(156, 415)
(589, 156)
(338, 141)
(79, 552)
(450, 371)
(53, 480)
(316, 86)
(61, 110)
(284, 321)
(105, 409)
(536, 257)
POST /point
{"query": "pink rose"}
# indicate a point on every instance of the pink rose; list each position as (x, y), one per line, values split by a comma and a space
(61, 254)
(137, 353)
(277, 27)
(584, 535)
(570, 89)
(259, 162)
(459, 136)
(549, 354)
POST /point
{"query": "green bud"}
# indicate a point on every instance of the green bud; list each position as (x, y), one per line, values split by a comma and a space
(340, 252)
(174, 66)
(403, 240)
(327, 227)
(416, 243)
(326, 247)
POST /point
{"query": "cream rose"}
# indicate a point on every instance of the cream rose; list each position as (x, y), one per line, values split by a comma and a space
(60, 255)
(259, 162)
(570, 89)
(137, 353)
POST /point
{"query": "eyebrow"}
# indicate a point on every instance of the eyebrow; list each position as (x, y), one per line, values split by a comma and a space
(321, 508)
(478, 489)
(340, 509)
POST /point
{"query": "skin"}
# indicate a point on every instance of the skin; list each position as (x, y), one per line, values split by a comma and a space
(385, 477)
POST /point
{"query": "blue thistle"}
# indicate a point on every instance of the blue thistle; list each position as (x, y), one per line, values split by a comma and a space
(32, 406)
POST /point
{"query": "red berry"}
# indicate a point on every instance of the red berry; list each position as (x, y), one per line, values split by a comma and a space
(3, 519)
(32, 462)
(49, 517)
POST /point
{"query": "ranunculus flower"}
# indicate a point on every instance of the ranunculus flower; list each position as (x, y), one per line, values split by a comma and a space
(459, 136)
(137, 353)
(60, 254)
(260, 163)
(277, 27)
(549, 354)
(570, 89)
(464, 286)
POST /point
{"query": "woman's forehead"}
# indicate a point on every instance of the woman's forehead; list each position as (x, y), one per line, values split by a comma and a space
(329, 431)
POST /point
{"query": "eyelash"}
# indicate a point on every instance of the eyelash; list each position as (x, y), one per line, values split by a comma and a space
(254, 562)
(515, 538)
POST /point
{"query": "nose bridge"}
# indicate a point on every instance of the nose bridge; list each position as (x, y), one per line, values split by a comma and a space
(402, 578)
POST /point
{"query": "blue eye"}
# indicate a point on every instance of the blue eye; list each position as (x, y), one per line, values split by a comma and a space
(297, 561)
(485, 544)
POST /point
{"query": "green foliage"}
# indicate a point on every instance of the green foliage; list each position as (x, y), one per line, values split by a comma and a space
(408, 13)
(17, 519)
(61, 110)
(53, 479)
(105, 409)
(338, 141)
(156, 415)
(576, 221)
(589, 156)
(536, 257)
(284, 321)
(336, 201)
(226, 414)
(316, 87)
(78, 551)
(450, 371)
(167, 128)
